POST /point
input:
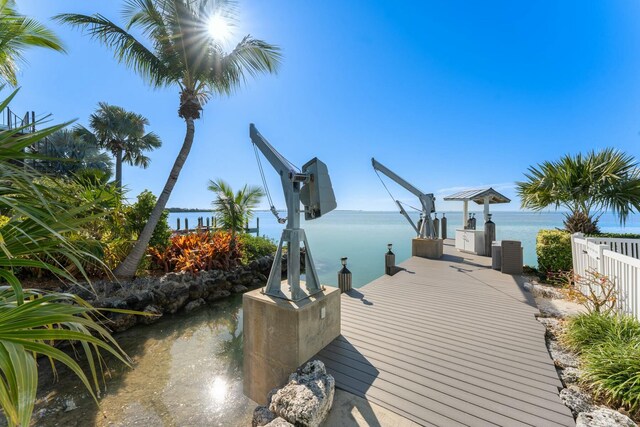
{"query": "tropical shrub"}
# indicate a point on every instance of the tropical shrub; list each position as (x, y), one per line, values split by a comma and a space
(65, 154)
(255, 247)
(196, 252)
(595, 291)
(553, 248)
(588, 330)
(612, 371)
(609, 349)
(138, 215)
(36, 235)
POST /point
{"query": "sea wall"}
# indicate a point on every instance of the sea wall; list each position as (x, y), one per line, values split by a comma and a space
(171, 292)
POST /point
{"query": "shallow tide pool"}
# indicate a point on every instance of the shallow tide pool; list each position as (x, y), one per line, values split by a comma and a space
(187, 372)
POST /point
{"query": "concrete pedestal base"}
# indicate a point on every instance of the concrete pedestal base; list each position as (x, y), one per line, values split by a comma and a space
(281, 335)
(427, 248)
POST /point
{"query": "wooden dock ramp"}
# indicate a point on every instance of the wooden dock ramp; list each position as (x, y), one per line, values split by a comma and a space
(448, 342)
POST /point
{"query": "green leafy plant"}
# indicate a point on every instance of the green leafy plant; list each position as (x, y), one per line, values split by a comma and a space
(588, 330)
(612, 371)
(34, 323)
(177, 49)
(254, 247)
(196, 252)
(234, 210)
(609, 350)
(137, 216)
(553, 248)
(18, 33)
(586, 185)
(65, 154)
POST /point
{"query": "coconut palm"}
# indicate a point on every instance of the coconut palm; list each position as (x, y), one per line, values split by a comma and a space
(64, 153)
(34, 233)
(123, 134)
(586, 185)
(18, 33)
(182, 52)
(233, 210)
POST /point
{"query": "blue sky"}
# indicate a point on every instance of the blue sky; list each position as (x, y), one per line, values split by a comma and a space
(449, 94)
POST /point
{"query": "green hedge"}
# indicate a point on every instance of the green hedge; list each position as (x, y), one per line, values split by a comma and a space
(254, 247)
(553, 248)
(616, 235)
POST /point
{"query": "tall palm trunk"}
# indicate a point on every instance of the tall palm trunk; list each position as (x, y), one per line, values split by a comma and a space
(119, 169)
(128, 267)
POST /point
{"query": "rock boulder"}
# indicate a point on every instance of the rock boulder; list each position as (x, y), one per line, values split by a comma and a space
(307, 398)
(262, 416)
(603, 417)
(576, 400)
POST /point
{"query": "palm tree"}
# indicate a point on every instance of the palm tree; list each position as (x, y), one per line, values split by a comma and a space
(182, 53)
(586, 185)
(17, 33)
(123, 134)
(64, 153)
(233, 210)
(35, 234)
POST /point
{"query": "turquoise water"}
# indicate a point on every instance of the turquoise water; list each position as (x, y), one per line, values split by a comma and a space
(363, 236)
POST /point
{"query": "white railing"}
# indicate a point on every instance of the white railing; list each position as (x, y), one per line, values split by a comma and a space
(615, 258)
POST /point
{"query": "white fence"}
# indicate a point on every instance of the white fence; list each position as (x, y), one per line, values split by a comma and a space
(618, 259)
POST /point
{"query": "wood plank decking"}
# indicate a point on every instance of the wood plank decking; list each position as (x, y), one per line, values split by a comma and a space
(448, 342)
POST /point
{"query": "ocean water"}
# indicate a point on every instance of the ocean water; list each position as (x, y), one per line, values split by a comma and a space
(363, 236)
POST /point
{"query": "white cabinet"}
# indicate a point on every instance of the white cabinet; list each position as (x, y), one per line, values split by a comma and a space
(470, 241)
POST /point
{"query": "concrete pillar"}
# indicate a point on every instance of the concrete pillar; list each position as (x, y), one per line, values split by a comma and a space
(280, 335)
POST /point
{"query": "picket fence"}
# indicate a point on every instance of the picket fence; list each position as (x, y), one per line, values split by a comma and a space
(616, 258)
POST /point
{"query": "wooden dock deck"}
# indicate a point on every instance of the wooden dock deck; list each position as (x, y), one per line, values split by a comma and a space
(445, 343)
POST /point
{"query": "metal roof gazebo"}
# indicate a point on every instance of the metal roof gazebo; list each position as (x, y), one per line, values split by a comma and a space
(482, 196)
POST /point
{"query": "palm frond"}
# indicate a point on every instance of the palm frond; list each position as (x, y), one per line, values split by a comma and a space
(126, 48)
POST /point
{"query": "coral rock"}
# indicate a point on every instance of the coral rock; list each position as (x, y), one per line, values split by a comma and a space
(262, 416)
(576, 400)
(603, 417)
(307, 398)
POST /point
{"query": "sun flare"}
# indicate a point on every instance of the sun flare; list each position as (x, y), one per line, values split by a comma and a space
(219, 28)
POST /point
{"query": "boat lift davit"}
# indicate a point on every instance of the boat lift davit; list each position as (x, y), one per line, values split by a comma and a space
(310, 185)
(425, 228)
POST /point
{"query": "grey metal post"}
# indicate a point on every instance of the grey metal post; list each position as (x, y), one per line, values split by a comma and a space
(389, 261)
(344, 276)
(178, 225)
(207, 223)
(443, 226)
(257, 227)
(489, 235)
(186, 224)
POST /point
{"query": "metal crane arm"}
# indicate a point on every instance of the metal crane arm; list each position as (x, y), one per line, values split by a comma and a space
(388, 172)
(427, 200)
(279, 163)
(406, 215)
